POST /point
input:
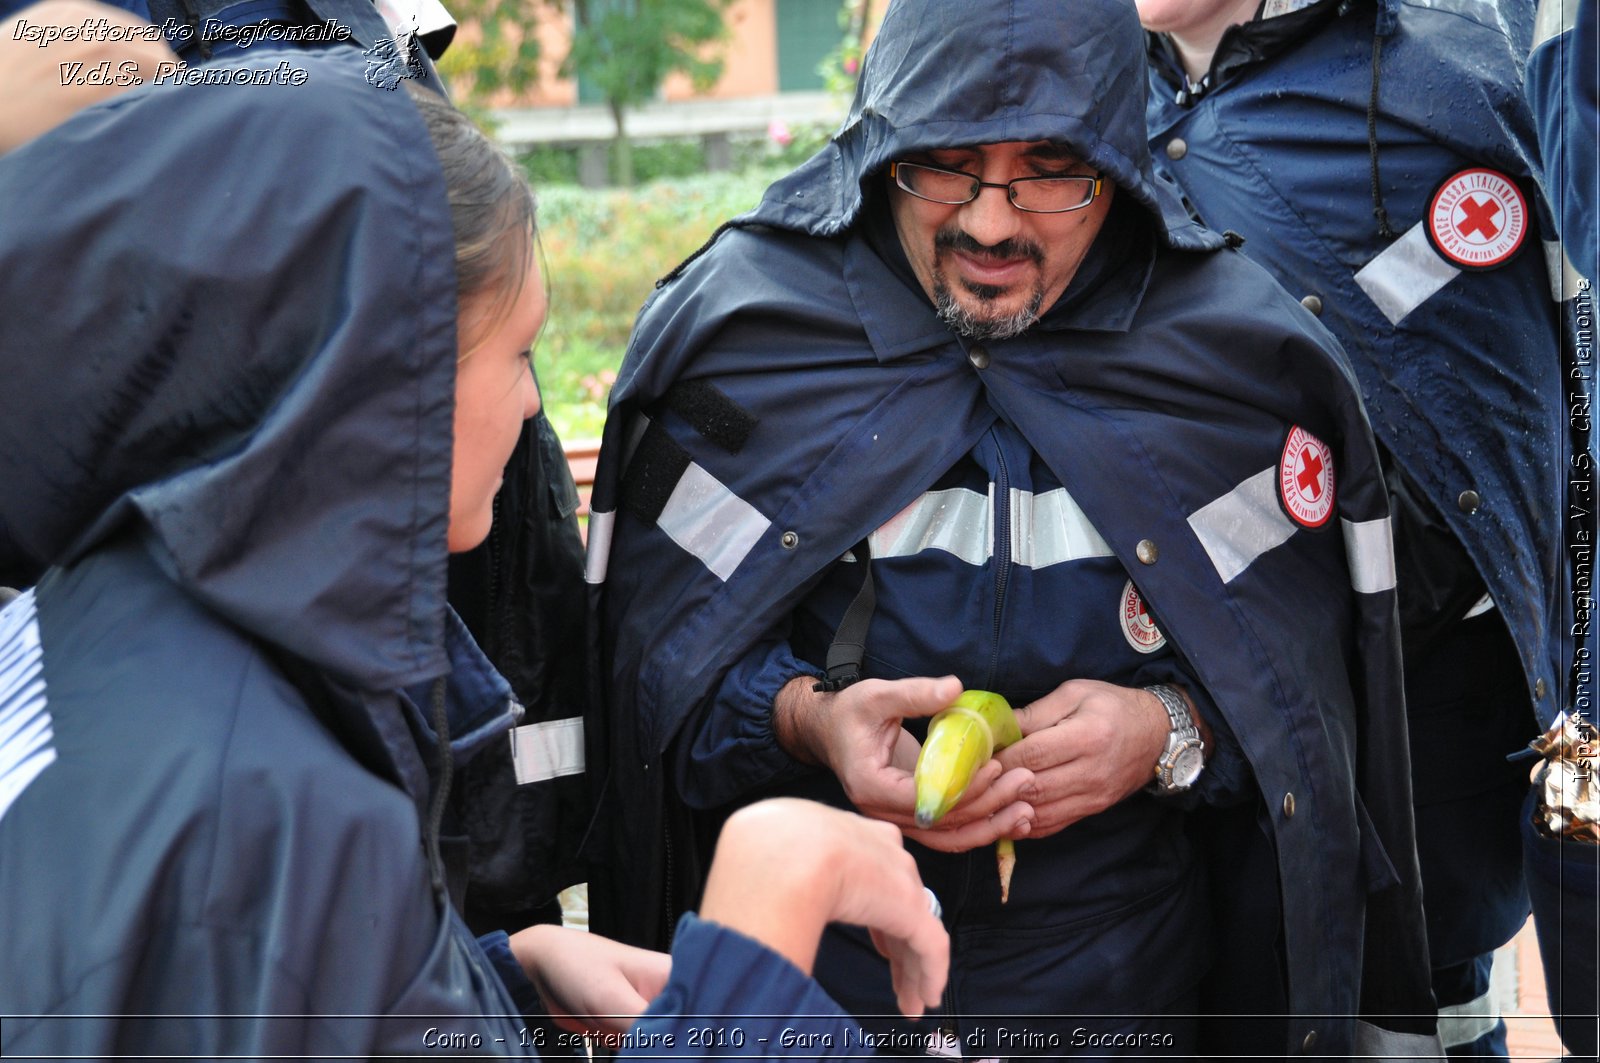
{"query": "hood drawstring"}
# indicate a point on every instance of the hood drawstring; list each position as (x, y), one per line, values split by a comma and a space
(1379, 211)
(441, 788)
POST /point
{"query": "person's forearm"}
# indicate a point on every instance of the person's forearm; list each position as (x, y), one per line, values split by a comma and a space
(784, 907)
(797, 714)
(787, 922)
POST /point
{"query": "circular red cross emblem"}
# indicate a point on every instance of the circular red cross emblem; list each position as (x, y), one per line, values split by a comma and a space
(1305, 478)
(1477, 219)
(1141, 633)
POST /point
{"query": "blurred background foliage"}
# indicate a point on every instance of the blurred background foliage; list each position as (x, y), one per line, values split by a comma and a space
(605, 248)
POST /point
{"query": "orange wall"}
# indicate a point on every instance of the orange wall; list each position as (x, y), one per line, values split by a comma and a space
(749, 56)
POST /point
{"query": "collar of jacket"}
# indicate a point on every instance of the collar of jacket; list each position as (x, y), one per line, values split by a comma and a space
(1257, 41)
(1104, 295)
(479, 705)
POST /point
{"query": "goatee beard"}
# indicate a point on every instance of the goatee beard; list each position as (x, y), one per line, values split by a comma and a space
(973, 327)
(964, 321)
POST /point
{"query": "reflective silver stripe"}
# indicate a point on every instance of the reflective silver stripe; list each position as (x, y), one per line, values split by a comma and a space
(1374, 1043)
(1481, 606)
(1405, 274)
(1046, 529)
(548, 750)
(1462, 1024)
(1564, 276)
(1050, 528)
(1274, 8)
(956, 520)
(711, 522)
(1555, 18)
(1243, 524)
(597, 554)
(1369, 548)
(26, 730)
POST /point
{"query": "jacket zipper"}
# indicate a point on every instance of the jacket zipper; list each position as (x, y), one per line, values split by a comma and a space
(495, 614)
(668, 905)
(1001, 507)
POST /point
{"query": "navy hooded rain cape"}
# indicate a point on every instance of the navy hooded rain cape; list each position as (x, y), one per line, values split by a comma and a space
(226, 440)
(855, 398)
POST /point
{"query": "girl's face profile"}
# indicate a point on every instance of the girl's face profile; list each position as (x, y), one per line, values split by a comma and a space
(495, 393)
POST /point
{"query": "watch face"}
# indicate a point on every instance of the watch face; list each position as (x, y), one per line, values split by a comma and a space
(1186, 766)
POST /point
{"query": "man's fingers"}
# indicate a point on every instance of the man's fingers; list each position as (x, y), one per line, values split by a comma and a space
(1013, 821)
(992, 789)
(900, 698)
(883, 793)
(1043, 750)
(1047, 711)
(1052, 816)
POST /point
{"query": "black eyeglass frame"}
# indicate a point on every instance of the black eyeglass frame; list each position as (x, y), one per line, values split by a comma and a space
(978, 185)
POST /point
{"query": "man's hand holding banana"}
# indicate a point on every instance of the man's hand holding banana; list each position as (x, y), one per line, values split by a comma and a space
(857, 733)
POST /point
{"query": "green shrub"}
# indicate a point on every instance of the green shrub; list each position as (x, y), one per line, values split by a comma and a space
(667, 159)
(547, 165)
(604, 251)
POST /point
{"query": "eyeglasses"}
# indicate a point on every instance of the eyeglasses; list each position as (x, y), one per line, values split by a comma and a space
(1036, 195)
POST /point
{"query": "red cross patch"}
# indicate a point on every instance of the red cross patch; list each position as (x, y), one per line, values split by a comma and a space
(1477, 219)
(1137, 627)
(1305, 478)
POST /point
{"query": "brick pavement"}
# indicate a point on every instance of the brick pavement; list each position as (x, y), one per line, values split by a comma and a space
(1530, 1035)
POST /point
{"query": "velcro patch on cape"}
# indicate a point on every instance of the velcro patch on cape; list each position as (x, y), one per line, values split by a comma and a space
(655, 468)
(711, 413)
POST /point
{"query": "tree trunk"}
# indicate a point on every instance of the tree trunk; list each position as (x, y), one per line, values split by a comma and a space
(621, 149)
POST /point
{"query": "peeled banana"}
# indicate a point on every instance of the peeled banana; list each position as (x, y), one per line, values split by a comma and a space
(961, 739)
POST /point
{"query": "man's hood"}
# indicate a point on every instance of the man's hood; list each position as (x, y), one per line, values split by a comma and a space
(947, 73)
(227, 323)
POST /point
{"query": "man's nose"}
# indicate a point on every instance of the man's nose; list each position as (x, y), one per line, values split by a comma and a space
(990, 218)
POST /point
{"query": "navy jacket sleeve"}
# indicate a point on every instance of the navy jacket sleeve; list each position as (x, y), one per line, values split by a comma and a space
(731, 996)
(727, 749)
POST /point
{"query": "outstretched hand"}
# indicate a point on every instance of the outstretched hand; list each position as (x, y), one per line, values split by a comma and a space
(41, 44)
(588, 983)
(786, 868)
(857, 734)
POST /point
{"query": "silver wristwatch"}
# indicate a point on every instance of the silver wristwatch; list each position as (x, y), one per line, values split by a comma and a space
(1184, 757)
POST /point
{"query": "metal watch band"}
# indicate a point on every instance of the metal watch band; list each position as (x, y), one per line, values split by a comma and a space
(1182, 738)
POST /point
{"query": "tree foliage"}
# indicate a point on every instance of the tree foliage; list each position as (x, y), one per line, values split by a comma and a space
(626, 49)
(504, 53)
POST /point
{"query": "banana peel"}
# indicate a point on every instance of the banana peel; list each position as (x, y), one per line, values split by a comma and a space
(961, 739)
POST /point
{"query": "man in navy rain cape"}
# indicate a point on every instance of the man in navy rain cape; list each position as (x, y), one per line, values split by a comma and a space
(1093, 461)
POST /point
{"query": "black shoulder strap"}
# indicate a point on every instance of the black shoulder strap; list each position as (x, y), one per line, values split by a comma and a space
(849, 648)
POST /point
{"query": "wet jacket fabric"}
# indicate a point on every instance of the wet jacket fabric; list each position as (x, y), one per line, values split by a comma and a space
(228, 697)
(524, 805)
(520, 593)
(1564, 91)
(1475, 423)
(1460, 365)
(786, 394)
